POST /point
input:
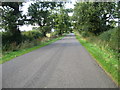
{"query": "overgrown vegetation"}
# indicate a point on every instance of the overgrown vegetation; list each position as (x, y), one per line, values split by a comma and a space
(97, 31)
(94, 22)
(46, 15)
(26, 47)
(29, 39)
(105, 56)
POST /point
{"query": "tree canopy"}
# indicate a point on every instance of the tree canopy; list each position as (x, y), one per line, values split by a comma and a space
(94, 17)
(41, 14)
(11, 19)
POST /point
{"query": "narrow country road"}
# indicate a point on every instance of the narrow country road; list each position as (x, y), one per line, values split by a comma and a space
(63, 64)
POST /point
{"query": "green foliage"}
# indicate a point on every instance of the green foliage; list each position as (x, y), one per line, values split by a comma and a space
(105, 49)
(29, 39)
(62, 21)
(111, 37)
(85, 34)
(106, 35)
(11, 18)
(114, 40)
(95, 23)
(94, 17)
(48, 15)
(104, 56)
(29, 36)
(53, 34)
(25, 48)
(41, 14)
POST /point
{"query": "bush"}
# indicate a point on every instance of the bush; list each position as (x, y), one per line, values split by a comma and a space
(114, 39)
(29, 39)
(106, 35)
(108, 40)
(31, 35)
(6, 38)
(53, 34)
(111, 37)
(85, 34)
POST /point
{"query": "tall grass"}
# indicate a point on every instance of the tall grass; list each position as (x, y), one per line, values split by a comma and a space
(10, 55)
(108, 40)
(104, 48)
(12, 50)
(29, 39)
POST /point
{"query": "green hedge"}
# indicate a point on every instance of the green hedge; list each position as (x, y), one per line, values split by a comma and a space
(111, 37)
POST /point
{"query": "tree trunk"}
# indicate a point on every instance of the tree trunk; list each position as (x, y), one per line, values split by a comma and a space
(16, 35)
(44, 34)
(60, 33)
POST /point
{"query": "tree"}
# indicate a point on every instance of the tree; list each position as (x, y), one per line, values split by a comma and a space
(11, 19)
(40, 13)
(94, 17)
(62, 21)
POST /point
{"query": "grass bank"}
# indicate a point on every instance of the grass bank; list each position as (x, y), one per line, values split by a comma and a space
(10, 55)
(103, 57)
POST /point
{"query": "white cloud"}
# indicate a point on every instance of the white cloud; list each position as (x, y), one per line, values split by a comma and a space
(25, 28)
(25, 7)
(69, 5)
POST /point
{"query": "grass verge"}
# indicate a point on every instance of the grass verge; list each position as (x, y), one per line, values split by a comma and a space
(11, 55)
(106, 62)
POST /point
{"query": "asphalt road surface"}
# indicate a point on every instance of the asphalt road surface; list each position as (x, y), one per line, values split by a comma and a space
(63, 64)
